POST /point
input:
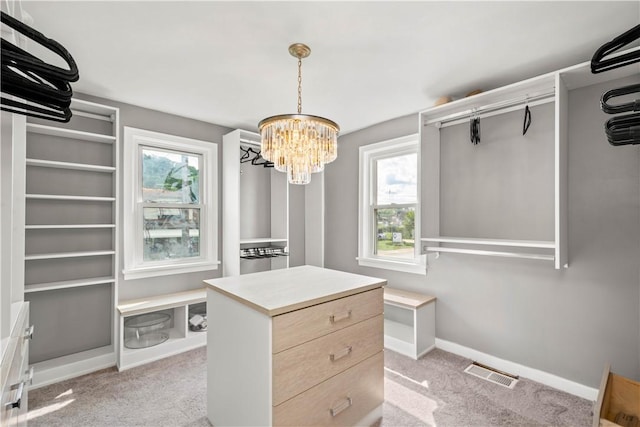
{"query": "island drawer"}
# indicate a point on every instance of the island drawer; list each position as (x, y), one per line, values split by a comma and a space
(297, 327)
(342, 400)
(302, 367)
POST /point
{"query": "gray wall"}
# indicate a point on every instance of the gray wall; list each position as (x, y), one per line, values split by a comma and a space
(157, 121)
(565, 322)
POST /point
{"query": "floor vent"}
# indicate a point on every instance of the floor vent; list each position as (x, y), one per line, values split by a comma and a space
(492, 375)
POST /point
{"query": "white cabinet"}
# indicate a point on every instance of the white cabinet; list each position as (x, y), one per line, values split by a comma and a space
(71, 238)
(255, 216)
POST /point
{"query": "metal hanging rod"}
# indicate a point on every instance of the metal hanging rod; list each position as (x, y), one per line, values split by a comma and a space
(496, 108)
(249, 142)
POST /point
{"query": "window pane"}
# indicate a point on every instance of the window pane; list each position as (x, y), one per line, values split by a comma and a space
(395, 232)
(170, 177)
(171, 233)
(397, 179)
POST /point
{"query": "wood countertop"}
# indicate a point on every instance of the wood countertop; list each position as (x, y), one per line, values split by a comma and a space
(280, 291)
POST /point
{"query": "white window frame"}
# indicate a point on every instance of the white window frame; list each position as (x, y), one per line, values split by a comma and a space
(134, 265)
(368, 155)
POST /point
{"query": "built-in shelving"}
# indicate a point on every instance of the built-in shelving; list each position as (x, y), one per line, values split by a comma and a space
(68, 255)
(41, 287)
(70, 133)
(71, 198)
(180, 337)
(67, 226)
(71, 166)
(255, 211)
(548, 88)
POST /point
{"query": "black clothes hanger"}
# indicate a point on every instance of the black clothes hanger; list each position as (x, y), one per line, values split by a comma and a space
(474, 130)
(35, 64)
(599, 64)
(527, 119)
(623, 130)
(253, 156)
(43, 89)
(621, 108)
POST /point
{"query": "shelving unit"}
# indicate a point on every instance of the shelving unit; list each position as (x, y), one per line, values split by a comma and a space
(409, 322)
(71, 237)
(549, 151)
(255, 209)
(180, 337)
(552, 246)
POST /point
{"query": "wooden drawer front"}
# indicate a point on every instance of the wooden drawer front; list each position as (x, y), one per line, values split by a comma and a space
(300, 368)
(297, 327)
(350, 396)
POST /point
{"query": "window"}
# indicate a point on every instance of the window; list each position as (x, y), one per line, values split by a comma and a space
(389, 235)
(170, 209)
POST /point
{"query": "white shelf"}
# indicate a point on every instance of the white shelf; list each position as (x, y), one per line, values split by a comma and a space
(65, 197)
(70, 133)
(491, 253)
(67, 165)
(399, 331)
(67, 226)
(65, 284)
(68, 255)
(260, 240)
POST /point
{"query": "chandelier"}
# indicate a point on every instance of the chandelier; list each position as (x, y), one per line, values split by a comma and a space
(299, 144)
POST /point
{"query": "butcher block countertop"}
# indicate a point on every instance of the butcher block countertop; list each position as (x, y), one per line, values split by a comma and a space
(276, 292)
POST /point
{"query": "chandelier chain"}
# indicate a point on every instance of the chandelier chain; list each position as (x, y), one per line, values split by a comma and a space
(299, 85)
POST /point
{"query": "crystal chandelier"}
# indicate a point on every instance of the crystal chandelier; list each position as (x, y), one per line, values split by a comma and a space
(299, 144)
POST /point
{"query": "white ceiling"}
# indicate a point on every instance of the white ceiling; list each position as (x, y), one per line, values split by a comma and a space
(227, 62)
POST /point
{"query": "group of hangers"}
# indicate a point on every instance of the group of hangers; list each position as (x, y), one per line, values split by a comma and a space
(255, 157)
(474, 125)
(43, 89)
(623, 129)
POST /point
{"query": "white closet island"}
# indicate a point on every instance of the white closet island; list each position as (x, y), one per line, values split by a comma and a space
(297, 346)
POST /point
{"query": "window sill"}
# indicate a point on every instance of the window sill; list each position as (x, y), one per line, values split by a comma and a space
(407, 267)
(165, 270)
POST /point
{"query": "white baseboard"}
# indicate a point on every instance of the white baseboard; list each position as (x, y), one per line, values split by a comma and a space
(537, 375)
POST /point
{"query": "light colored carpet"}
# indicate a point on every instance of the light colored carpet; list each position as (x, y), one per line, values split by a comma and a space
(433, 391)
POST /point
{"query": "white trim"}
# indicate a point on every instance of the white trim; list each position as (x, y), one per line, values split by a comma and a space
(366, 175)
(74, 365)
(164, 270)
(134, 265)
(407, 267)
(537, 375)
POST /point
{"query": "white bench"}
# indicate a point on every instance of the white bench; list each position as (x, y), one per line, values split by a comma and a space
(409, 322)
(180, 337)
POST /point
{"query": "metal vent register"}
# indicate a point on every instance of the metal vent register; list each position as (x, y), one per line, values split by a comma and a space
(491, 375)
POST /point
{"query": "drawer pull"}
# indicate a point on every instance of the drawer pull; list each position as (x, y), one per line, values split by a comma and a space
(16, 403)
(341, 406)
(342, 353)
(334, 319)
(28, 333)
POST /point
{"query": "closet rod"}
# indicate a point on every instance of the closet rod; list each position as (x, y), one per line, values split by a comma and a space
(496, 108)
(249, 142)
